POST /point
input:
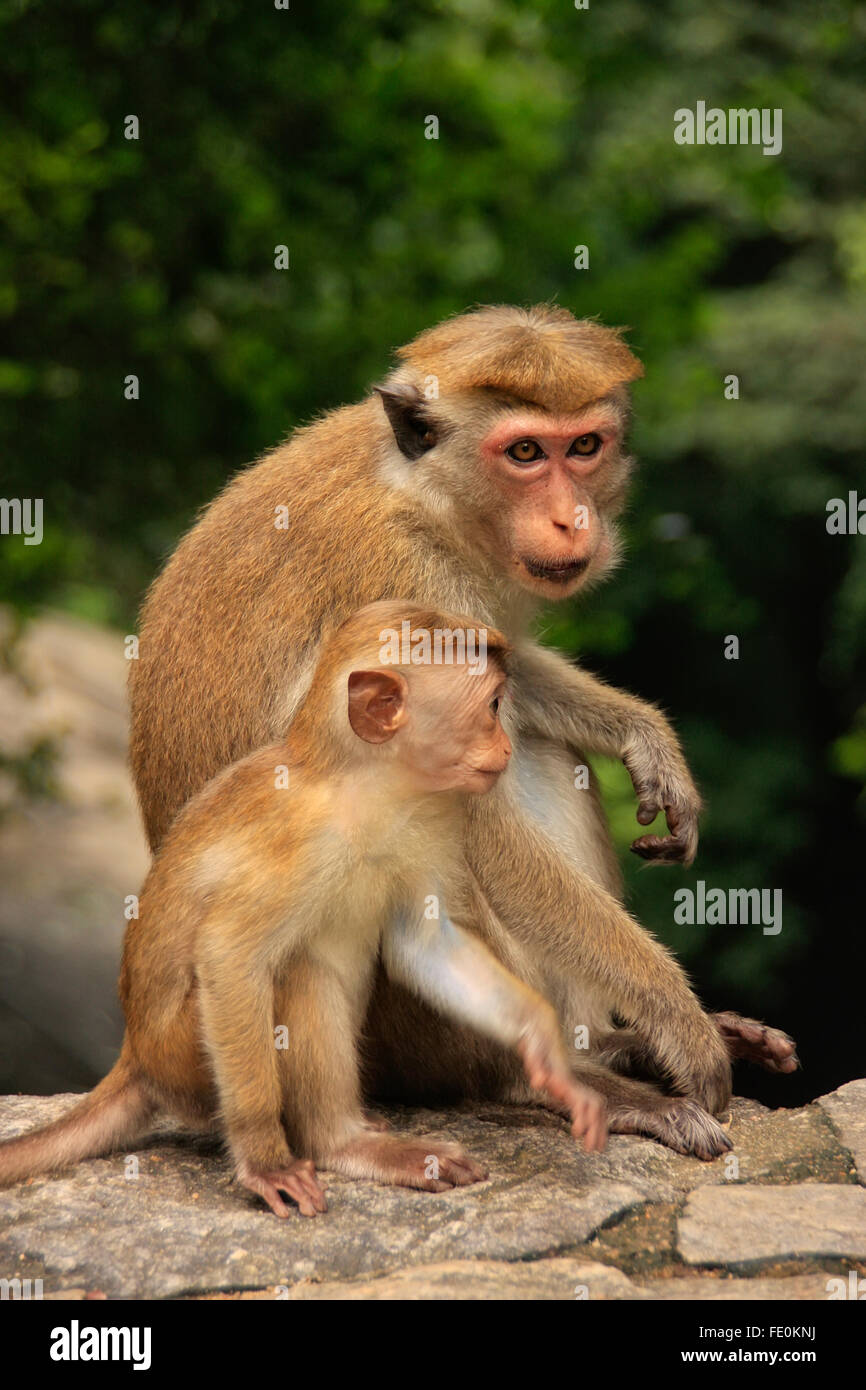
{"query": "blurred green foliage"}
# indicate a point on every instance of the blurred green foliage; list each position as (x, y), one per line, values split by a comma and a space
(261, 126)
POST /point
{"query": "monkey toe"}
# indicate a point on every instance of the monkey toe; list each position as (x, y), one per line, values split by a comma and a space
(747, 1039)
(460, 1175)
(309, 1179)
(457, 1168)
(298, 1181)
(699, 1133)
(419, 1163)
(681, 1125)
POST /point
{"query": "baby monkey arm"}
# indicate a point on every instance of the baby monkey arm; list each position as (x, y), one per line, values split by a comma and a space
(457, 974)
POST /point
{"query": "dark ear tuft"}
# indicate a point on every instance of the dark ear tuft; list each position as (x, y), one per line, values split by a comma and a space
(404, 407)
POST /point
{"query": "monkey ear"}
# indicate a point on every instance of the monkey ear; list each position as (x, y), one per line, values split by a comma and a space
(377, 704)
(404, 407)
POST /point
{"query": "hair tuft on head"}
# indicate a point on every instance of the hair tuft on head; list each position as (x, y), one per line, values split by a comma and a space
(542, 355)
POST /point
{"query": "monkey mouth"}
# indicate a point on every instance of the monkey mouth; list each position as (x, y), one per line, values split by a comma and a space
(556, 571)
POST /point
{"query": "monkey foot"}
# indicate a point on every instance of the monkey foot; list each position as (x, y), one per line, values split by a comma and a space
(748, 1039)
(423, 1163)
(297, 1179)
(682, 1125)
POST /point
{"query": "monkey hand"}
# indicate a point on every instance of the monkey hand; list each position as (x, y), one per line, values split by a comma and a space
(296, 1177)
(662, 782)
(546, 1068)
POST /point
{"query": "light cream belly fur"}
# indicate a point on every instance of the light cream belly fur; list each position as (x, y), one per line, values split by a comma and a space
(542, 788)
(347, 940)
(542, 776)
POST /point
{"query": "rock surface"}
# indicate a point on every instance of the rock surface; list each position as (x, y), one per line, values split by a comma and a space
(776, 1219)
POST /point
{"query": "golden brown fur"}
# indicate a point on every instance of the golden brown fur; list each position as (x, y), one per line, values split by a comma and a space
(410, 493)
(543, 355)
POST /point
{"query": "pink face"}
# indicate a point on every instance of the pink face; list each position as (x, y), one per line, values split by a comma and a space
(548, 471)
(453, 740)
(446, 724)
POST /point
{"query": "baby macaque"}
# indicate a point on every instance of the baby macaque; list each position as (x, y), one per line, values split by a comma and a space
(247, 974)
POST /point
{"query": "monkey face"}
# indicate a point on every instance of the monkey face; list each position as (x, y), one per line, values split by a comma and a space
(454, 740)
(557, 481)
(441, 722)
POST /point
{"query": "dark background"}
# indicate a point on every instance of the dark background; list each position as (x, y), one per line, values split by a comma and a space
(261, 127)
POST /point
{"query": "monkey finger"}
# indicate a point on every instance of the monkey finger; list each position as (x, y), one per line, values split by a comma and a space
(590, 1123)
(587, 1110)
(683, 826)
(592, 1130)
(647, 811)
(663, 849)
(595, 1134)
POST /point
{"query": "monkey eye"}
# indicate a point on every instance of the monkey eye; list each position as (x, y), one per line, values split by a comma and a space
(586, 445)
(525, 451)
(495, 703)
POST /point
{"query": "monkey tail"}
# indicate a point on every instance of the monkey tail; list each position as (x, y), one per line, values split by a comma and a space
(113, 1114)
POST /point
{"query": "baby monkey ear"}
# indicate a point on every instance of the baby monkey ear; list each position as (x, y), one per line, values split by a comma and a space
(404, 406)
(377, 704)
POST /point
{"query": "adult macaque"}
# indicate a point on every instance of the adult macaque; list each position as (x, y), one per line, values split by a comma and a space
(269, 902)
(484, 476)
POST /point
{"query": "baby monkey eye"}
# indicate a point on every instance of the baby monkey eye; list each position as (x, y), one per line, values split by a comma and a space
(585, 445)
(525, 451)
